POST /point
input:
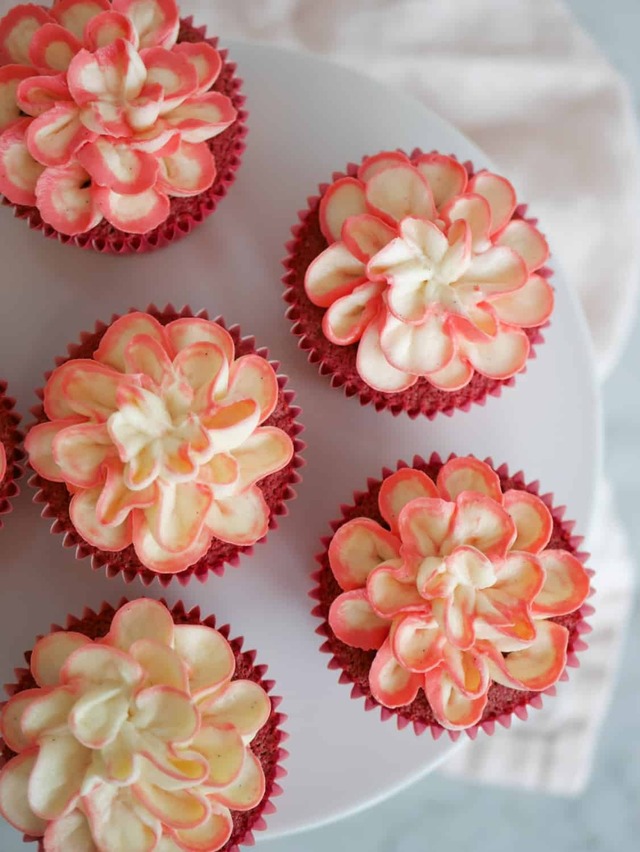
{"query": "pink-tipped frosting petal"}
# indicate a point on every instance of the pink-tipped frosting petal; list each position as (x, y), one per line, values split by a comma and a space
(184, 332)
(205, 59)
(97, 716)
(241, 520)
(346, 319)
(114, 73)
(417, 642)
(14, 795)
(357, 548)
(177, 76)
(176, 520)
(566, 584)
(202, 117)
(529, 306)
(80, 451)
(17, 29)
(119, 167)
(159, 559)
(141, 619)
(333, 274)
(248, 789)
(66, 200)
(418, 348)
(175, 808)
(401, 488)
(343, 199)
(537, 667)
(135, 214)
(452, 709)
(497, 270)
(19, 172)
(83, 514)
(525, 239)
(365, 235)
(424, 524)
(391, 684)
(533, 520)
(55, 136)
(456, 375)
(106, 28)
(379, 162)
(269, 449)
(56, 779)
(116, 822)
(10, 78)
(117, 337)
(242, 703)
(372, 364)
(166, 713)
(156, 21)
(51, 653)
(83, 386)
(208, 656)
(354, 622)
(390, 592)
(253, 377)
(69, 833)
(11, 719)
(74, 15)
(189, 171)
(482, 523)
(501, 356)
(398, 192)
(446, 177)
(475, 211)
(212, 834)
(500, 196)
(468, 474)
(39, 446)
(52, 48)
(36, 95)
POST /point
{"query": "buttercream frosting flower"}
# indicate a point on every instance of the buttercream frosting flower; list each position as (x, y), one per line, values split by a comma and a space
(103, 115)
(138, 740)
(428, 272)
(160, 440)
(458, 591)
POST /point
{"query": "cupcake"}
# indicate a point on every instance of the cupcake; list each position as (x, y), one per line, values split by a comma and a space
(452, 595)
(165, 445)
(139, 728)
(11, 453)
(417, 284)
(120, 124)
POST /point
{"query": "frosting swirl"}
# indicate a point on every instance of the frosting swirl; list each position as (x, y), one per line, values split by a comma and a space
(103, 115)
(139, 740)
(430, 272)
(158, 439)
(457, 593)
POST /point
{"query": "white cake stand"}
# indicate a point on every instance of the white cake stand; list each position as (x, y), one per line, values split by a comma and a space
(307, 118)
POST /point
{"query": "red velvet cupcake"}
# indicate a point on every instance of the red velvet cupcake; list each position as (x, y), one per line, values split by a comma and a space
(11, 452)
(121, 125)
(452, 595)
(166, 445)
(417, 284)
(140, 727)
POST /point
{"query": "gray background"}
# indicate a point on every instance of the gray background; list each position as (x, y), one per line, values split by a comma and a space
(606, 818)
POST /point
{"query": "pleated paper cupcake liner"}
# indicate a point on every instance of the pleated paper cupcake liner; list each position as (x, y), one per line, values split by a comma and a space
(11, 438)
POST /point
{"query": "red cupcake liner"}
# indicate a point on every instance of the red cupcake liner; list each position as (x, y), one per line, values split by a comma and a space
(267, 745)
(339, 362)
(354, 664)
(11, 438)
(278, 488)
(186, 213)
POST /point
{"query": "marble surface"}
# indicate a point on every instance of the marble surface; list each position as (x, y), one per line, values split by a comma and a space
(607, 817)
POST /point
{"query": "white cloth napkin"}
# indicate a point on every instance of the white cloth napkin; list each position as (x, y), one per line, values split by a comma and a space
(522, 80)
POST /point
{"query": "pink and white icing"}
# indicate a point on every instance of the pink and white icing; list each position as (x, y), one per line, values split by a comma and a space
(159, 440)
(458, 592)
(139, 740)
(103, 114)
(429, 272)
